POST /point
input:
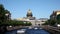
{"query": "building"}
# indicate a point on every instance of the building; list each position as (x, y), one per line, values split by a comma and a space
(29, 17)
(55, 14)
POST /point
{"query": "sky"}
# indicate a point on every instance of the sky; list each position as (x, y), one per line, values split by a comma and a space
(39, 8)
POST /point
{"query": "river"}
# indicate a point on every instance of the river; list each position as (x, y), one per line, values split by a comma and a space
(30, 31)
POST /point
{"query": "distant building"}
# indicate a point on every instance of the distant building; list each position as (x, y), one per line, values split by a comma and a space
(29, 17)
(54, 14)
(43, 20)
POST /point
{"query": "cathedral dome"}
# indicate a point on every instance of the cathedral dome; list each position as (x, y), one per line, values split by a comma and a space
(29, 13)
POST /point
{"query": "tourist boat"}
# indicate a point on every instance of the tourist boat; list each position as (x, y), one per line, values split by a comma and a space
(35, 28)
(22, 31)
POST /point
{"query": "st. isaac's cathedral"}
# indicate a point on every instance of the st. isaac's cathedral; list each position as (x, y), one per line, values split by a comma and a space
(29, 17)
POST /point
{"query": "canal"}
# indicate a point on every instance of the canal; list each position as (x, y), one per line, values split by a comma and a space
(30, 31)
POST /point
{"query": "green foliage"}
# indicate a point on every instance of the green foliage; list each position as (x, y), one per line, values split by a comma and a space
(3, 17)
(46, 23)
(58, 21)
(58, 17)
(27, 23)
(50, 22)
(18, 23)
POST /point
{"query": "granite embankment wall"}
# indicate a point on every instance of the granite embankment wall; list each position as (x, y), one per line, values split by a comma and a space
(15, 27)
(51, 29)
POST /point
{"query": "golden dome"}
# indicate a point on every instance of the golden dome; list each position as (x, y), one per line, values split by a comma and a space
(29, 11)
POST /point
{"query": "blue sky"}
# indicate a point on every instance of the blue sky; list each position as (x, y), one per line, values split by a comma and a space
(39, 8)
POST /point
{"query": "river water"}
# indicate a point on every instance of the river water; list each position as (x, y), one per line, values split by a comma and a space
(30, 31)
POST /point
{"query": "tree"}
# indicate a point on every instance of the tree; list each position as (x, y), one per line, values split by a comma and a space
(58, 17)
(46, 23)
(3, 16)
(1, 13)
(3, 19)
(50, 22)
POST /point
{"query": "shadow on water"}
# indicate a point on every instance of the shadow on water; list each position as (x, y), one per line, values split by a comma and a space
(11, 32)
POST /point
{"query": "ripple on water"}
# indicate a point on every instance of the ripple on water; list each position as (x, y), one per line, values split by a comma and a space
(38, 31)
(30, 31)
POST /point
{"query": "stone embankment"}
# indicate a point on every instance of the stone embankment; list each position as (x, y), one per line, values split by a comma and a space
(15, 27)
(51, 29)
